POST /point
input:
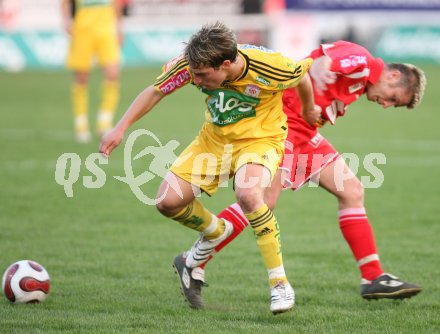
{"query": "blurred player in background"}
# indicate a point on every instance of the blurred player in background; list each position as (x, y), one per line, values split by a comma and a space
(341, 73)
(242, 137)
(95, 31)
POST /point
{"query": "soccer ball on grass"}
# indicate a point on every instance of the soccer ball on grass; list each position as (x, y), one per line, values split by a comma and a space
(26, 281)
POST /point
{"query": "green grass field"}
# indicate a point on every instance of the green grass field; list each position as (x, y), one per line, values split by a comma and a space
(109, 255)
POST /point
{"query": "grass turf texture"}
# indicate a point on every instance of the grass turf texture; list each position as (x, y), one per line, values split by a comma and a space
(109, 255)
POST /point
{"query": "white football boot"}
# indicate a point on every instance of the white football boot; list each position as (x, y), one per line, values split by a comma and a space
(282, 298)
(203, 248)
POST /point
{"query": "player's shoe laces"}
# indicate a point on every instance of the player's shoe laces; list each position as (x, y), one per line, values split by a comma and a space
(203, 248)
(282, 297)
(388, 286)
(191, 281)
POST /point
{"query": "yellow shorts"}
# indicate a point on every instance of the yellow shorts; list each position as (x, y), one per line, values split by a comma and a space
(90, 41)
(210, 160)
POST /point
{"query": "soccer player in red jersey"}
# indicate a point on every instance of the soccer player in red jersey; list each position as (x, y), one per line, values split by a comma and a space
(342, 72)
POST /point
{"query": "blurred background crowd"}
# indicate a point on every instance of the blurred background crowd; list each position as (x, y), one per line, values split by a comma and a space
(32, 36)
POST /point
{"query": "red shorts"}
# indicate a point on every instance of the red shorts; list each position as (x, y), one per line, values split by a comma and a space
(307, 152)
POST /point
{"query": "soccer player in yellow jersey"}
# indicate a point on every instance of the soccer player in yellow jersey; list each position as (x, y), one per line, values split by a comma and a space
(242, 137)
(95, 32)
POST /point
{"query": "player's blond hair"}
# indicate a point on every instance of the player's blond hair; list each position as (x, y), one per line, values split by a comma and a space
(414, 79)
(211, 46)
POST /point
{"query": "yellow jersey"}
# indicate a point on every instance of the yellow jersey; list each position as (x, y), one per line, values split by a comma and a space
(249, 107)
(96, 14)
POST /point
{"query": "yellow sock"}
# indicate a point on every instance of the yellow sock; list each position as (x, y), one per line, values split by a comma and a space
(110, 99)
(197, 217)
(267, 232)
(80, 102)
(110, 95)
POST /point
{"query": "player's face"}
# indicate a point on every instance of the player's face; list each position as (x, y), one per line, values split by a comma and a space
(209, 77)
(388, 93)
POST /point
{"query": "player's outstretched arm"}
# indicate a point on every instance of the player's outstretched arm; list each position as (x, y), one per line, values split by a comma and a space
(310, 111)
(66, 9)
(117, 4)
(143, 103)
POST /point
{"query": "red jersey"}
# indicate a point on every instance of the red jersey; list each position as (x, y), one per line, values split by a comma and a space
(307, 152)
(355, 68)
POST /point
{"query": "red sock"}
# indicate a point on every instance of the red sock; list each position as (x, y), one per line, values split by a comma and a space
(359, 235)
(236, 217)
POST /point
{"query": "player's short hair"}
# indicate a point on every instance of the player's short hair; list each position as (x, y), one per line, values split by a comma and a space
(211, 46)
(414, 79)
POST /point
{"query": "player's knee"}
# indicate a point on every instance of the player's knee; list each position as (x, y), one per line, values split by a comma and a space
(111, 72)
(249, 199)
(353, 193)
(271, 200)
(114, 76)
(81, 77)
(167, 206)
(358, 191)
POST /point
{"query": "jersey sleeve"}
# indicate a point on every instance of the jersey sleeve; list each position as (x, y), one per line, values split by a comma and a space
(301, 68)
(175, 75)
(347, 58)
(289, 72)
(272, 70)
(351, 62)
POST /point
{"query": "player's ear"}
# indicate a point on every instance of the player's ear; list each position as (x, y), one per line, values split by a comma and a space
(226, 64)
(395, 75)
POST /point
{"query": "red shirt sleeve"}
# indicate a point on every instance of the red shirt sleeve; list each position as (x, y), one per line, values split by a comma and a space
(176, 74)
(347, 58)
(354, 67)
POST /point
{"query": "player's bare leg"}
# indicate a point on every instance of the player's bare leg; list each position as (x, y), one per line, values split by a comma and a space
(340, 181)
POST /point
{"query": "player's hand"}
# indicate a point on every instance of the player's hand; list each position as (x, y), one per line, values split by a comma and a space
(68, 28)
(321, 74)
(67, 25)
(110, 141)
(120, 33)
(312, 115)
